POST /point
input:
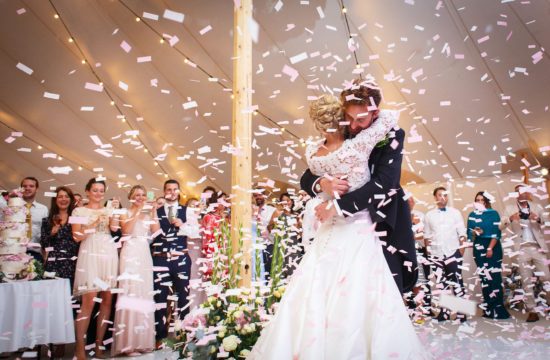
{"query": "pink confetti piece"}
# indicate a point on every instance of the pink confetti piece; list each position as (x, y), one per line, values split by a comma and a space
(21, 11)
(483, 39)
(93, 87)
(291, 72)
(39, 304)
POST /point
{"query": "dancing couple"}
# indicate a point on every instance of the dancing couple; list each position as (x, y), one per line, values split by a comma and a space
(344, 300)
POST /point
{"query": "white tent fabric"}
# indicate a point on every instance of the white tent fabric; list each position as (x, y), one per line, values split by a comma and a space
(469, 76)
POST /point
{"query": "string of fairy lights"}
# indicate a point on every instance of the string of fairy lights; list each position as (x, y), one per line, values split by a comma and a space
(108, 93)
(187, 60)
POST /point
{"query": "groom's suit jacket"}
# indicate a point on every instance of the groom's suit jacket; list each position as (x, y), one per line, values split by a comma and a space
(383, 197)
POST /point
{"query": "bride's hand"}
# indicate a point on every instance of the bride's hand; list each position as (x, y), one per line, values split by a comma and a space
(323, 212)
(333, 185)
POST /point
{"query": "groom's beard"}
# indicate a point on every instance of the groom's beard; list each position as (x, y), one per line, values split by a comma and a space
(349, 134)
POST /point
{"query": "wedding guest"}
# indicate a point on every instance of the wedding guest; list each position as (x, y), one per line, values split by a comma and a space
(35, 213)
(211, 228)
(288, 219)
(527, 220)
(445, 234)
(59, 248)
(79, 201)
(263, 217)
(191, 229)
(421, 290)
(135, 308)
(484, 233)
(97, 264)
(171, 262)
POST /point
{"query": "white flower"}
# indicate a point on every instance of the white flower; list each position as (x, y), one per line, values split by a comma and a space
(231, 342)
(244, 353)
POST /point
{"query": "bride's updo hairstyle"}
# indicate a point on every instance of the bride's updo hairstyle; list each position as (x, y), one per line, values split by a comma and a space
(326, 113)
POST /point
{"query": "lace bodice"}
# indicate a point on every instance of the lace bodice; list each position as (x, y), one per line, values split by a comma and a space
(352, 158)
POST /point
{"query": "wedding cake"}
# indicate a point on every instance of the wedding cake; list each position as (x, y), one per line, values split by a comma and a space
(15, 264)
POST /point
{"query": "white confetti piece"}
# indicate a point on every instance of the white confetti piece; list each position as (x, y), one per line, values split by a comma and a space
(320, 12)
(93, 87)
(86, 108)
(21, 11)
(189, 105)
(173, 15)
(125, 46)
(52, 96)
(24, 149)
(150, 16)
(278, 6)
(9, 139)
(143, 59)
(83, 220)
(123, 85)
(297, 58)
(24, 68)
(445, 103)
(205, 29)
(64, 170)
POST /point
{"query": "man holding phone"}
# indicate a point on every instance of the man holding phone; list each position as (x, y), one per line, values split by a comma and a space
(527, 221)
(172, 264)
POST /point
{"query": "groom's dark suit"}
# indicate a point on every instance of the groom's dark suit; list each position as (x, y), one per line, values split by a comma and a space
(390, 212)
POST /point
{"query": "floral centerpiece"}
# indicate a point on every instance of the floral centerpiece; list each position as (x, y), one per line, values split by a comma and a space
(229, 322)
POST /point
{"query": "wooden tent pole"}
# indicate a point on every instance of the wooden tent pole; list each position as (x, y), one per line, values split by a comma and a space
(241, 162)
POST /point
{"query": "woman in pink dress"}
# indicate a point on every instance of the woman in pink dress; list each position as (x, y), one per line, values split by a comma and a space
(134, 332)
(97, 263)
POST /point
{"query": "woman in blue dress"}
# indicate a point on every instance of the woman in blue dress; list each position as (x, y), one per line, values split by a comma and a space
(484, 232)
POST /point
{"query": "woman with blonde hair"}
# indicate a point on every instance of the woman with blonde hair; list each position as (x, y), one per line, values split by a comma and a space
(134, 317)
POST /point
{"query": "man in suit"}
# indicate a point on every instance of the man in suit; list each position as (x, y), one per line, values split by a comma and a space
(382, 195)
(526, 220)
(171, 261)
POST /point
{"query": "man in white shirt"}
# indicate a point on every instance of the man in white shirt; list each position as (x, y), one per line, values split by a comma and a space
(35, 213)
(445, 235)
(526, 223)
(264, 219)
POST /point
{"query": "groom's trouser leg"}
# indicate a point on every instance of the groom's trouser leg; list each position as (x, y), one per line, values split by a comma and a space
(395, 262)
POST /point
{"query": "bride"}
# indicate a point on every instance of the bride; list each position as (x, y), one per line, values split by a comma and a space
(342, 302)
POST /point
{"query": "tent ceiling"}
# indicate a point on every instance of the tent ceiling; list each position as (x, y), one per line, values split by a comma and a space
(465, 73)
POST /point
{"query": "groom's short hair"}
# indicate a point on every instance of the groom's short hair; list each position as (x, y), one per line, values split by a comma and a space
(361, 93)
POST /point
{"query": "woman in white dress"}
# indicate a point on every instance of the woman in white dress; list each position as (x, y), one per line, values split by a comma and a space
(342, 302)
(97, 263)
(135, 308)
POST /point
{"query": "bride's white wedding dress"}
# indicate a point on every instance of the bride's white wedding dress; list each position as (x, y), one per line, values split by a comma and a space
(342, 302)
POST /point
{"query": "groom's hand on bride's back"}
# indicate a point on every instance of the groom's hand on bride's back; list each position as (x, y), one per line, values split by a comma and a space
(334, 185)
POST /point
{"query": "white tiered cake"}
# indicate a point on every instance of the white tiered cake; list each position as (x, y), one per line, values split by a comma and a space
(15, 264)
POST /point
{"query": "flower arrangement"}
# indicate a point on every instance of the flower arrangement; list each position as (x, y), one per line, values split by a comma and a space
(230, 321)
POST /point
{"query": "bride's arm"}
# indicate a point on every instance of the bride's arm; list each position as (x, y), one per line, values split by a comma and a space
(385, 180)
(367, 139)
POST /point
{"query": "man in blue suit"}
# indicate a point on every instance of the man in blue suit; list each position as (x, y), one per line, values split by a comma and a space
(171, 261)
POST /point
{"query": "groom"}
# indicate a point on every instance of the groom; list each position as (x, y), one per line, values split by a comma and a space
(382, 195)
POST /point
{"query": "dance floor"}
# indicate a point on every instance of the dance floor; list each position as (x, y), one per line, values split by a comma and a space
(478, 338)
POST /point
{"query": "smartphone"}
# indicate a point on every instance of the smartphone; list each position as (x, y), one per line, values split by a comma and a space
(109, 204)
(150, 195)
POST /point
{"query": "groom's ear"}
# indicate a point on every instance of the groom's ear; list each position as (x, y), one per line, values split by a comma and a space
(375, 113)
